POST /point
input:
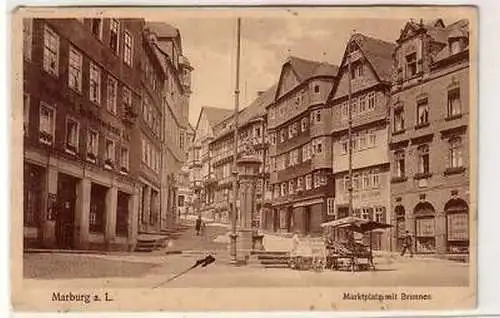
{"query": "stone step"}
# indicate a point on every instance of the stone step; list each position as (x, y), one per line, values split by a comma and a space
(276, 265)
(274, 262)
(273, 257)
(277, 253)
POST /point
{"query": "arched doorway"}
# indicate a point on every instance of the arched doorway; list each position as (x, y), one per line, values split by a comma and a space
(425, 228)
(399, 212)
(457, 226)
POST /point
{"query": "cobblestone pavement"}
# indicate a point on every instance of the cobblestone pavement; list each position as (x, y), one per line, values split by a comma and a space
(148, 271)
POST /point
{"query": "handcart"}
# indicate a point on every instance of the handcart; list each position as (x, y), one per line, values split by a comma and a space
(309, 254)
(349, 254)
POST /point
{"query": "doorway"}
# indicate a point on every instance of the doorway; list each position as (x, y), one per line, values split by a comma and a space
(307, 220)
(65, 216)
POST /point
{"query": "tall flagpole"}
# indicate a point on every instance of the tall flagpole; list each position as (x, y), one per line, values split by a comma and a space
(234, 210)
(349, 129)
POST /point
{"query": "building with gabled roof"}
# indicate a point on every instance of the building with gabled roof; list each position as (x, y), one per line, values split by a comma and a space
(370, 76)
(199, 161)
(298, 125)
(429, 137)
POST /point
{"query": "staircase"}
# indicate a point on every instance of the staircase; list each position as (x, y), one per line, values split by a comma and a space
(272, 259)
(149, 242)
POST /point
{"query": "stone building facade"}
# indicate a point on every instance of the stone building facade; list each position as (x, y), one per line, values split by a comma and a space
(81, 97)
(429, 137)
(93, 99)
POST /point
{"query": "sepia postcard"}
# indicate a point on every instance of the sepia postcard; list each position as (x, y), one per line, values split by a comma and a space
(244, 158)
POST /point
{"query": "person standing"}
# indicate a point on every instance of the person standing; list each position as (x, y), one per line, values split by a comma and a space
(197, 226)
(407, 244)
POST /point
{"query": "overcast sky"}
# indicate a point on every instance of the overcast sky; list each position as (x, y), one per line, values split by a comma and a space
(210, 45)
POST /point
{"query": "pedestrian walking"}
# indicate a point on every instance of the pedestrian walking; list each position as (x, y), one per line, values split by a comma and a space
(202, 228)
(407, 244)
(197, 226)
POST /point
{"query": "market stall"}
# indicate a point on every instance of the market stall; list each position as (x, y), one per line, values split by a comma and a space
(346, 253)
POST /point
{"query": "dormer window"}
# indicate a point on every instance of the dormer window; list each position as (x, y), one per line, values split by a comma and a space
(455, 46)
(411, 64)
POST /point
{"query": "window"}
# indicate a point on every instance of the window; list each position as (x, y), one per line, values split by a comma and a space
(399, 160)
(455, 46)
(110, 153)
(422, 112)
(316, 180)
(280, 163)
(127, 49)
(318, 116)
(362, 104)
(317, 146)
(283, 189)
(380, 215)
(114, 39)
(304, 124)
(322, 179)
(316, 88)
(330, 206)
(308, 182)
(300, 183)
(360, 69)
(47, 124)
(273, 139)
(345, 110)
(26, 114)
(354, 106)
(276, 191)
(127, 98)
(124, 158)
(346, 183)
(367, 213)
(455, 153)
(375, 179)
(92, 145)
(295, 129)
(371, 100)
(291, 186)
(344, 147)
(294, 157)
(95, 84)
(306, 152)
(366, 181)
(75, 70)
(257, 132)
(454, 104)
(355, 182)
(72, 134)
(411, 64)
(423, 159)
(399, 119)
(96, 28)
(272, 113)
(362, 140)
(282, 135)
(112, 94)
(27, 37)
(51, 52)
(373, 139)
(290, 132)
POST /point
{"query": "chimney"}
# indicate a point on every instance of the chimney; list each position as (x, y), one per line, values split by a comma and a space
(259, 93)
